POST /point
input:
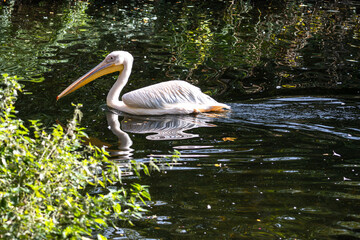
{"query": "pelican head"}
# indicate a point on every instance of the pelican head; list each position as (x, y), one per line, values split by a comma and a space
(114, 62)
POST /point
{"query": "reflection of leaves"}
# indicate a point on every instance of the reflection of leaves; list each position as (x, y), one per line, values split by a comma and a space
(203, 38)
(235, 48)
(248, 39)
(288, 86)
(29, 45)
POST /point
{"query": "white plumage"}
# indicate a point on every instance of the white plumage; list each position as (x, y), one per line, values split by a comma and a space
(165, 94)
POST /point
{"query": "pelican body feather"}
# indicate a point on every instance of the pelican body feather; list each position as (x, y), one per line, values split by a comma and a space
(166, 94)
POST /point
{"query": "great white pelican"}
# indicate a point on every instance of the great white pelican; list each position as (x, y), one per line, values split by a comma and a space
(171, 97)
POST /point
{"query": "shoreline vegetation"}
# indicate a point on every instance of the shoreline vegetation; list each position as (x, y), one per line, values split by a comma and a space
(47, 177)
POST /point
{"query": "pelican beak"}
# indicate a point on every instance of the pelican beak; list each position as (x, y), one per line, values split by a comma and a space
(100, 70)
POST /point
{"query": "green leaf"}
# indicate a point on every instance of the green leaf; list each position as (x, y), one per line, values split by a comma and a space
(146, 194)
(101, 237)
(117, 208)
(50, 208)
(100, 221)
(101, 183)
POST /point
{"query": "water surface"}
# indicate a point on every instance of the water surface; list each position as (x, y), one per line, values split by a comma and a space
(282, 164)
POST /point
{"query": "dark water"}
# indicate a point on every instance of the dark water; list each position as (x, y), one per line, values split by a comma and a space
(283, 164)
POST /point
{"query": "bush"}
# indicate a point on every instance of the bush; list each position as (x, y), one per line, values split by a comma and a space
(44, 173)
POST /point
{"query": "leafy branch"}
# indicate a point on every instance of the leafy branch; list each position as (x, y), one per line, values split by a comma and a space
(46, 174)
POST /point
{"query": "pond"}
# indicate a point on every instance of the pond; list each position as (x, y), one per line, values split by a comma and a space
(282, 164)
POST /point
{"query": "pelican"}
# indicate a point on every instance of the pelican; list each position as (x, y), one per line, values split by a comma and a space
(171, 97)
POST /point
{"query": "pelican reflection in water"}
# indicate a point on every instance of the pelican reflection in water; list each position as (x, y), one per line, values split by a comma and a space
(171, 97)
(168, 127)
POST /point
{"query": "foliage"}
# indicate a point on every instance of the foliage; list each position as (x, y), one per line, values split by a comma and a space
(44, 173)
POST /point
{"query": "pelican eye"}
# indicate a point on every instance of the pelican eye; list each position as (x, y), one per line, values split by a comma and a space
(110, 59)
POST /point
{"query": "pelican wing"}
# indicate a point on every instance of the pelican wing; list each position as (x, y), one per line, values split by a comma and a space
(163, 94)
